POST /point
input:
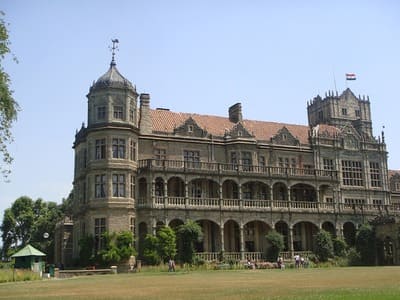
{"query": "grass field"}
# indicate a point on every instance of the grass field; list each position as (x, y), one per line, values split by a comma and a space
(367, 283)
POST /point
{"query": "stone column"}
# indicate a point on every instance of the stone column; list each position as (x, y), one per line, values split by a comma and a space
(166, 194)
(222, 243)
(290, 241)
(241, 242)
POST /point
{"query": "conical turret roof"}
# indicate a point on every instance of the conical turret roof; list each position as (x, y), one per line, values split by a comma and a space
(112, 79)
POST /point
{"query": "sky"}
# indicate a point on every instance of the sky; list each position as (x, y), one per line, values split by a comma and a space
(190, 56)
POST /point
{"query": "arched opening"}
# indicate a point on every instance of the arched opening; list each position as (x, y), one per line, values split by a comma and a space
(329, 227)
(142, 188)
(230, 190)
(143, 231)
(159, 187)
(326, 194)
(176, 187)
(303, 236)
(211, 237)
(349, 233)
(280, 191)
(283, 228)
(255, 190)
(231, 236)
(254, 236)
(303, 193)
(203, 188)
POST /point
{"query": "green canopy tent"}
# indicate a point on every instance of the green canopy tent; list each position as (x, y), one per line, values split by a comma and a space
(29, 258)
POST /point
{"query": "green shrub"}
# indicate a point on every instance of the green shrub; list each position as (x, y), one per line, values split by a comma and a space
(275, 245)
(354, 258)
(339, 247)
(323, 245)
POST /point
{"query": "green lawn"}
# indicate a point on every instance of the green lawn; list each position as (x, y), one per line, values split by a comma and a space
(329, 283)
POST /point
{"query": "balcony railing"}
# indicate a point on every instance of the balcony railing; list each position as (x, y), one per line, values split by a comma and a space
(221, 168)
(263, 205)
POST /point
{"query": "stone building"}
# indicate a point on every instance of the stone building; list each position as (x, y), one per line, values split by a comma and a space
(137, 168)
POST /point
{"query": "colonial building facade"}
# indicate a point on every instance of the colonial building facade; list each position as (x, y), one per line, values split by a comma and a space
(137, 168)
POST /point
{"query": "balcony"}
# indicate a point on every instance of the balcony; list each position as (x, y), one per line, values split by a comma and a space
(263, 205)
(231, 169)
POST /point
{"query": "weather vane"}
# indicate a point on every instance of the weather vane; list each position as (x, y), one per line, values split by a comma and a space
(113, 49)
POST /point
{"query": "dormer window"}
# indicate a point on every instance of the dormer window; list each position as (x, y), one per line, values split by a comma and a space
(190, 128)
(344, 111)
(118, 112)
(240, 133)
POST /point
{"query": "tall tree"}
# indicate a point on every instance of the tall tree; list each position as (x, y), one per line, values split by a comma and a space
(26, 221)
(8, 106)
(166, 243)
(188, 234)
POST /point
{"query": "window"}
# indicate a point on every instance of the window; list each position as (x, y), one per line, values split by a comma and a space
(133, 150)
(352, 173)
(100, 186)
(133, 179)
(191, 158)
(131, 115)
(84, 196)
(118, 112)
(261, 161)
(190, 128)
(132, 225)
(100, 151)
(101, 113)
(375, 174)
(246, 161)
(293, 163)
(160, 155)
(234, 158)
(118, 148)
(118, 181)
(85, 158)
(320, 115)
(328, 164)
(283, 162)
(99, 229)
(354, 201)
(358, 113)
(344, 111)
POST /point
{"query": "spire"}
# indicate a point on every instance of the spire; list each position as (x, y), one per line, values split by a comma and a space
(113, 48)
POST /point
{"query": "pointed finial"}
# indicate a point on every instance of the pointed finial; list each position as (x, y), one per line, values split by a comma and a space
(113, 49)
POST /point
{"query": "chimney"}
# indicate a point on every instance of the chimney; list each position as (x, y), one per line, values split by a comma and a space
(235, 113)
(145, 125)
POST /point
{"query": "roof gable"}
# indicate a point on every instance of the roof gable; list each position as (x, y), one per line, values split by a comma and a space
(284, 137)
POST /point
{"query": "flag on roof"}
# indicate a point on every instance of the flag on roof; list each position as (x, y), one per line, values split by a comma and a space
(350, 76)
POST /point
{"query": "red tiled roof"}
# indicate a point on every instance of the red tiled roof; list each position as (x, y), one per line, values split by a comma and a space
(166, 121)
(393, 172)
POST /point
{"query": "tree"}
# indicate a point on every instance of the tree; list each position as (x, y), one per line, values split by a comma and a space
(323, 245)
(8, 106)
(166, 243)
(26, 221)
(150, 250)
(365, 244)
(339, 247)
(275, 245)
(188, 234)
(118, 247)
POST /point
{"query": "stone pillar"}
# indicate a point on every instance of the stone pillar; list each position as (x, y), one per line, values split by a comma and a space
(240, 196)
(222, 241)
(290, 241)
(165, 194)
(220, 195)
(186, 193)
(241, 242)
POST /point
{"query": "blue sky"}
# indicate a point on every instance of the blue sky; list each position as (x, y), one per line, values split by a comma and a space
(191, 56)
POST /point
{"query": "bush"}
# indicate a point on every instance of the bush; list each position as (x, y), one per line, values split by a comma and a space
(354, 258)
(339, 247)
(275, 245)
(365, 244)
(323, 245)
